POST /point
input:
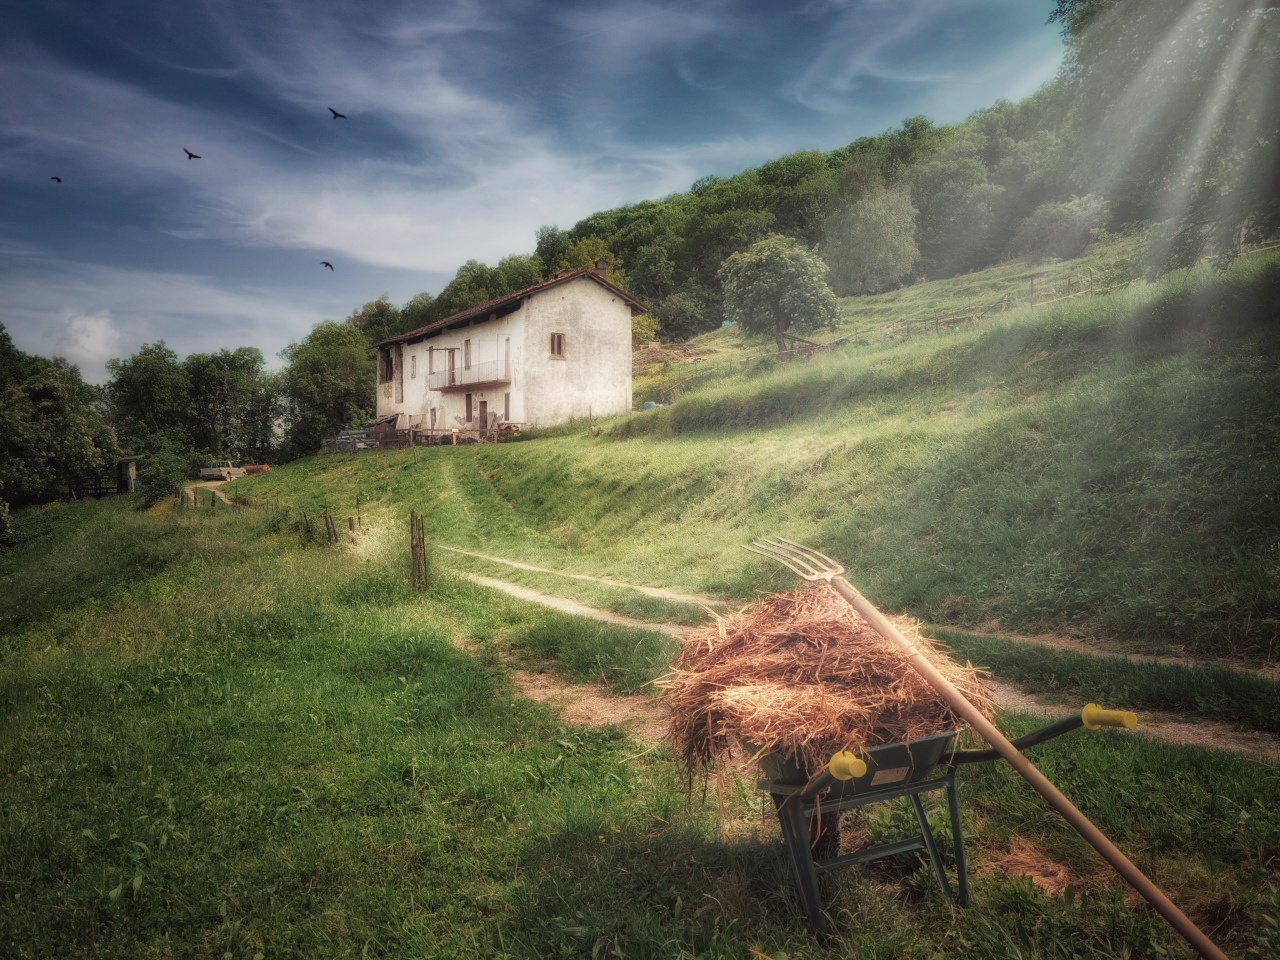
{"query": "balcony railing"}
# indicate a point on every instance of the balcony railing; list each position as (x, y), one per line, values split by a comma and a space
(492, 371)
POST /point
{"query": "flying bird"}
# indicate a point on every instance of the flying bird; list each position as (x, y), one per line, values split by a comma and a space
(59, 179)
(190, 155)
(326, 263)
(336, 114)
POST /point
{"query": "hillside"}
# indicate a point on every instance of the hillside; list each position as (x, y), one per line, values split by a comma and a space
(224, 735)
(1103, 466)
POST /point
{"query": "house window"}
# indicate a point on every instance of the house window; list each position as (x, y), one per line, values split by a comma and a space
(433, 418)
(413, 365)
(386, 367)
(557, 344)
(431, 360)
(468, 408)
(466, 357)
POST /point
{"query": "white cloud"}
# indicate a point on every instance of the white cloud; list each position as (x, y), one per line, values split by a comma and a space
(90, 314)
(88, 339)
(934, 52)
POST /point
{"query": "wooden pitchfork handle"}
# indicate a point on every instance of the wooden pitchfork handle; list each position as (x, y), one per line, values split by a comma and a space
(811, 565)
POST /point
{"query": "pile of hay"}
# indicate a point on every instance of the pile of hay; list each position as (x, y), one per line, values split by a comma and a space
(804, 675)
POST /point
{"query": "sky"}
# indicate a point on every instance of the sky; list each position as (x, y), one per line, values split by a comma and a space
(468, 124)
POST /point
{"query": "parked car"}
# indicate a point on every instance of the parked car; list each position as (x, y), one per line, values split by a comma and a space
(220, 470)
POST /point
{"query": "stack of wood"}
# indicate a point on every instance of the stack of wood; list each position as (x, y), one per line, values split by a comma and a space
(803, 675)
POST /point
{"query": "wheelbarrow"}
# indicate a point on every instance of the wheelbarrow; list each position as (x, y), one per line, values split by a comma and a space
(816, 567)
(809, 806)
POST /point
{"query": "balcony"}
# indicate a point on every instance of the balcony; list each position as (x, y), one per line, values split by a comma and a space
(487, 374)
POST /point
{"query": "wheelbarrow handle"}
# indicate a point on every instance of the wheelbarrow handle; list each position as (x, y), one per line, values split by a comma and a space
(1092, 717)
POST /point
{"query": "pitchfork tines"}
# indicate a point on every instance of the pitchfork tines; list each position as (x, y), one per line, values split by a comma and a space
(796, 557)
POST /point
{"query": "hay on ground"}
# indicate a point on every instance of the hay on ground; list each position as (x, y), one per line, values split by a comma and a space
(804, 675)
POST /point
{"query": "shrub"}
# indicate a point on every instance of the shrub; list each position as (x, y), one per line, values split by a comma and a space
(1061, 230)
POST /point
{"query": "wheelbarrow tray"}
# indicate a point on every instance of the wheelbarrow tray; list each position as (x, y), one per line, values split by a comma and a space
(889, 765)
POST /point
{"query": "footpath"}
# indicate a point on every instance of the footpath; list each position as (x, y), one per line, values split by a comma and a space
(639, 715)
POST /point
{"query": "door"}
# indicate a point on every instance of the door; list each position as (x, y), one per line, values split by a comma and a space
(484, 415)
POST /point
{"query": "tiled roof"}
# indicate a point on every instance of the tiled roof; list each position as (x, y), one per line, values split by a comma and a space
(482, 309)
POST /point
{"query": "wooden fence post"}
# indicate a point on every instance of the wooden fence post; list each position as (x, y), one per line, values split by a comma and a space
(413, 547)
(420, 572)
(330, 531)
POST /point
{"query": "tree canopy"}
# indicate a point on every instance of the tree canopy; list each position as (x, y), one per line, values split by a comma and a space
(54, 434)
(776, 286)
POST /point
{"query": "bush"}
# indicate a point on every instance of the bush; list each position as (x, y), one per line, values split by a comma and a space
(1061, 230)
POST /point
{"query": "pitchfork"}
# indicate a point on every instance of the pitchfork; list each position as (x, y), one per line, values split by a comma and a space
(814, 566)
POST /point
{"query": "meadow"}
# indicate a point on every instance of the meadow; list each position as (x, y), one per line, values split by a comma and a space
(223, 736)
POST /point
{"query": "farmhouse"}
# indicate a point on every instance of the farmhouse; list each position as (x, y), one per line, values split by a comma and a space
(544, 355)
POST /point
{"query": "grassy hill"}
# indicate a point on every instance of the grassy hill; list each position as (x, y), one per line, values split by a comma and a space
(222, 736)
(1102, 465)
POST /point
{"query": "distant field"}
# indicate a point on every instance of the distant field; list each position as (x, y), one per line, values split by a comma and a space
(1105, 466)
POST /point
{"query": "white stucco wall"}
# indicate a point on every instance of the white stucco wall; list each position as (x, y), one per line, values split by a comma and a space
(592, 378)
(594, 375)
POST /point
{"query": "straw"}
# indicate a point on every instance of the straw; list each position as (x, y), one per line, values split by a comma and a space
(802, 674)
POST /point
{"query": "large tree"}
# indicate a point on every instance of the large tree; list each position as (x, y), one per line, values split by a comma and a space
(149, 395)
(229, 400)
(871, 244)
(328, 385)
(54, 436)
(775, 286)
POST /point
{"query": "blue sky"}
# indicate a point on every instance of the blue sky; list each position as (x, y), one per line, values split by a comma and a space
(469, 124)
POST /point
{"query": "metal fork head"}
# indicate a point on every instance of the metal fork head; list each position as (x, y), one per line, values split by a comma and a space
(799, 559)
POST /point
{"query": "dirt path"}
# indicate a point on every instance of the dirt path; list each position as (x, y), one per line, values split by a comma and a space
(571, 607)
(592, 706)
(1072, 645)
(659, 592)
(213, 486)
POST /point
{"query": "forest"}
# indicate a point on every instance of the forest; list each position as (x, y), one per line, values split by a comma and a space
(1168, 133)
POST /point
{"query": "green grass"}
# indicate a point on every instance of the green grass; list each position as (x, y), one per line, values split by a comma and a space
(221, 736)
(1211, 692)
(260, 746)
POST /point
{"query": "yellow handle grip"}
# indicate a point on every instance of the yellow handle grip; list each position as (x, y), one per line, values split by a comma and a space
(1095, 716)
(846, 766)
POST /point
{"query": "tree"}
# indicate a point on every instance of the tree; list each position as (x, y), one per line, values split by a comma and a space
(328, 385)
(550, 248)
(1061, 230)
(775, 286)
(473, 284)
(679, 316)
(377, 319)
(227, 403)
(149, 394)
(54, 437)
(517, 271)
(955, 203)
(586, 253)
(871, 244)
(1174, 119)
(416, 312)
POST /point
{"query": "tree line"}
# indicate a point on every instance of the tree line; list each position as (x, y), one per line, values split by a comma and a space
(1161, 117)
(1157, 119)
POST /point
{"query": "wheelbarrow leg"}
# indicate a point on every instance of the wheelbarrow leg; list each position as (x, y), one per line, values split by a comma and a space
(930, 846)
(957, 839)
(795, 836)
